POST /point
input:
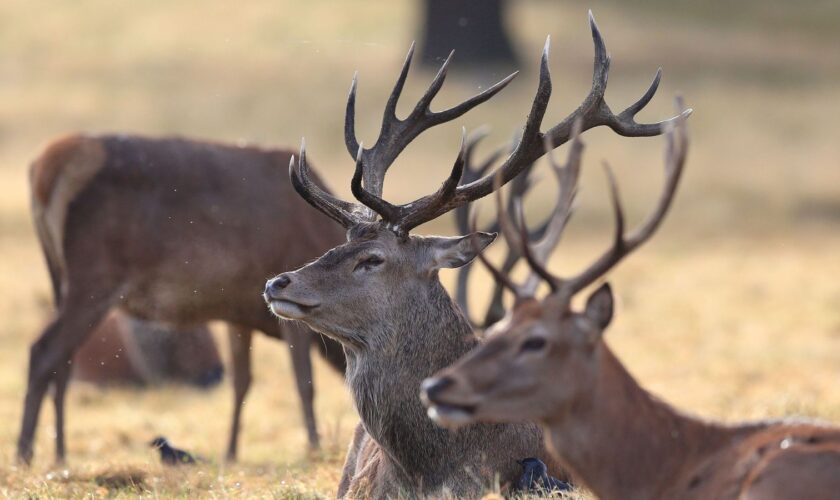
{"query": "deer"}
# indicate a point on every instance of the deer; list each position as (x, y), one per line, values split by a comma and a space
(174, 230)
(550, 364)
(124, 350)
(380, 296)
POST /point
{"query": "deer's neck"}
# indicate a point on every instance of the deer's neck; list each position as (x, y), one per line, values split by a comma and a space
(623, 442)
(385, 382)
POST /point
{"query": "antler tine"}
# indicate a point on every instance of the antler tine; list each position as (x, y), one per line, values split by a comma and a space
(523, 154)
(503, 218)
(350, 116)
(499, 277)
(341, 211)
(379, 206)
(519, 186)
(676, 149)
(533, 262)
(395, 134)
(437, 83)
(594, 110)
(473, 171)
(408, 219)
(567, 179)
(391, 106)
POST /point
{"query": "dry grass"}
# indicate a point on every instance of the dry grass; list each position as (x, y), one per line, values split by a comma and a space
(733, 312)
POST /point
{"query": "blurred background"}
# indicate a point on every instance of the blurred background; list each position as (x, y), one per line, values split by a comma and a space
(732, 311)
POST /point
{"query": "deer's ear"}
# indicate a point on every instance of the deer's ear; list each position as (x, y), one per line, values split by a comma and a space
(599, 306)
(452, 252)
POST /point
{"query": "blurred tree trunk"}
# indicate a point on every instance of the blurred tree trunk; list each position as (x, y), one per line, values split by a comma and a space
(475, 29)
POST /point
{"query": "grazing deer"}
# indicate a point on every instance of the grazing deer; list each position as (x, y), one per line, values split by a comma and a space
(550, 364)
(380, 296)
(125, 350)
(173, 230)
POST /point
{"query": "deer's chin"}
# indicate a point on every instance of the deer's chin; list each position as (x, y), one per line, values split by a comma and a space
(288, 309)
(451, 416)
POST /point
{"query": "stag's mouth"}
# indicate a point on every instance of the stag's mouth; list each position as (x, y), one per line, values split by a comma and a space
(290, 309)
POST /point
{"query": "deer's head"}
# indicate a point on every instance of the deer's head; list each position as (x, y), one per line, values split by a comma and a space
(372, 277)
(383, 272)
(545, 357)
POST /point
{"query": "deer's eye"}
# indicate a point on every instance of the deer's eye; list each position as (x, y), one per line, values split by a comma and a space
(533, 344)
(369, 263)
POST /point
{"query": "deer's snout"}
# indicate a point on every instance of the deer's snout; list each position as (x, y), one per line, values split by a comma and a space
(274, 287)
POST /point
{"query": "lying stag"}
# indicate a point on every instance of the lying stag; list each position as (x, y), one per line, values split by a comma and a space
(550, 364)
(380, 296)
(173, 230)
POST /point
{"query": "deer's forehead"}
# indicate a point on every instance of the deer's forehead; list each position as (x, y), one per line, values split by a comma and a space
(346, 252)
(528, 311)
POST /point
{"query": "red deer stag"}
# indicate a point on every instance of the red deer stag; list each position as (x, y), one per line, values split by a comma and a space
(380, 296)
(173, 230)
(550, 364)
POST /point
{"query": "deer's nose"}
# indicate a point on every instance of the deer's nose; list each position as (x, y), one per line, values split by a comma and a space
(432, 387)
(276, 285)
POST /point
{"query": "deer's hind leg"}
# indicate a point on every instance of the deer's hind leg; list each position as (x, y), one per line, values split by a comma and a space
(49, 362)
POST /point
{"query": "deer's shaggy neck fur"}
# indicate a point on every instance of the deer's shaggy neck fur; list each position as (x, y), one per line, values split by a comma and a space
(385, 381)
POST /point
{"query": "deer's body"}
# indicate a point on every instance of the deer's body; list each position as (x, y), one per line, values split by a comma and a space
(171, 230)
(125, 350)
(624, 443)
(402, 450)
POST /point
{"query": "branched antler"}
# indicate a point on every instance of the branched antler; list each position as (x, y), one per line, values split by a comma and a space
(676, 139)
(395, 134)
(519, 186)
(537, 249)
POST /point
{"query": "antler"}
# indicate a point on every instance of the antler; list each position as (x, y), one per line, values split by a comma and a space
(396, 134)
(345, 213)
(519, 186)
(472, 172)
(676, 136)
(537, 249)
(676, 148)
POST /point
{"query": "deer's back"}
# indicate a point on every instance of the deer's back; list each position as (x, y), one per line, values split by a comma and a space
(183, 225)
(768, 460)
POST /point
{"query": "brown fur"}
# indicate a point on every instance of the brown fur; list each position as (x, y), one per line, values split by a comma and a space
(104, 357)
(126, 351)
(618, 439)
(72, 159)
(172, 230)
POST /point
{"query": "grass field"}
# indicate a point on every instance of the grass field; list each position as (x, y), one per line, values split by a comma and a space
(733, 311)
